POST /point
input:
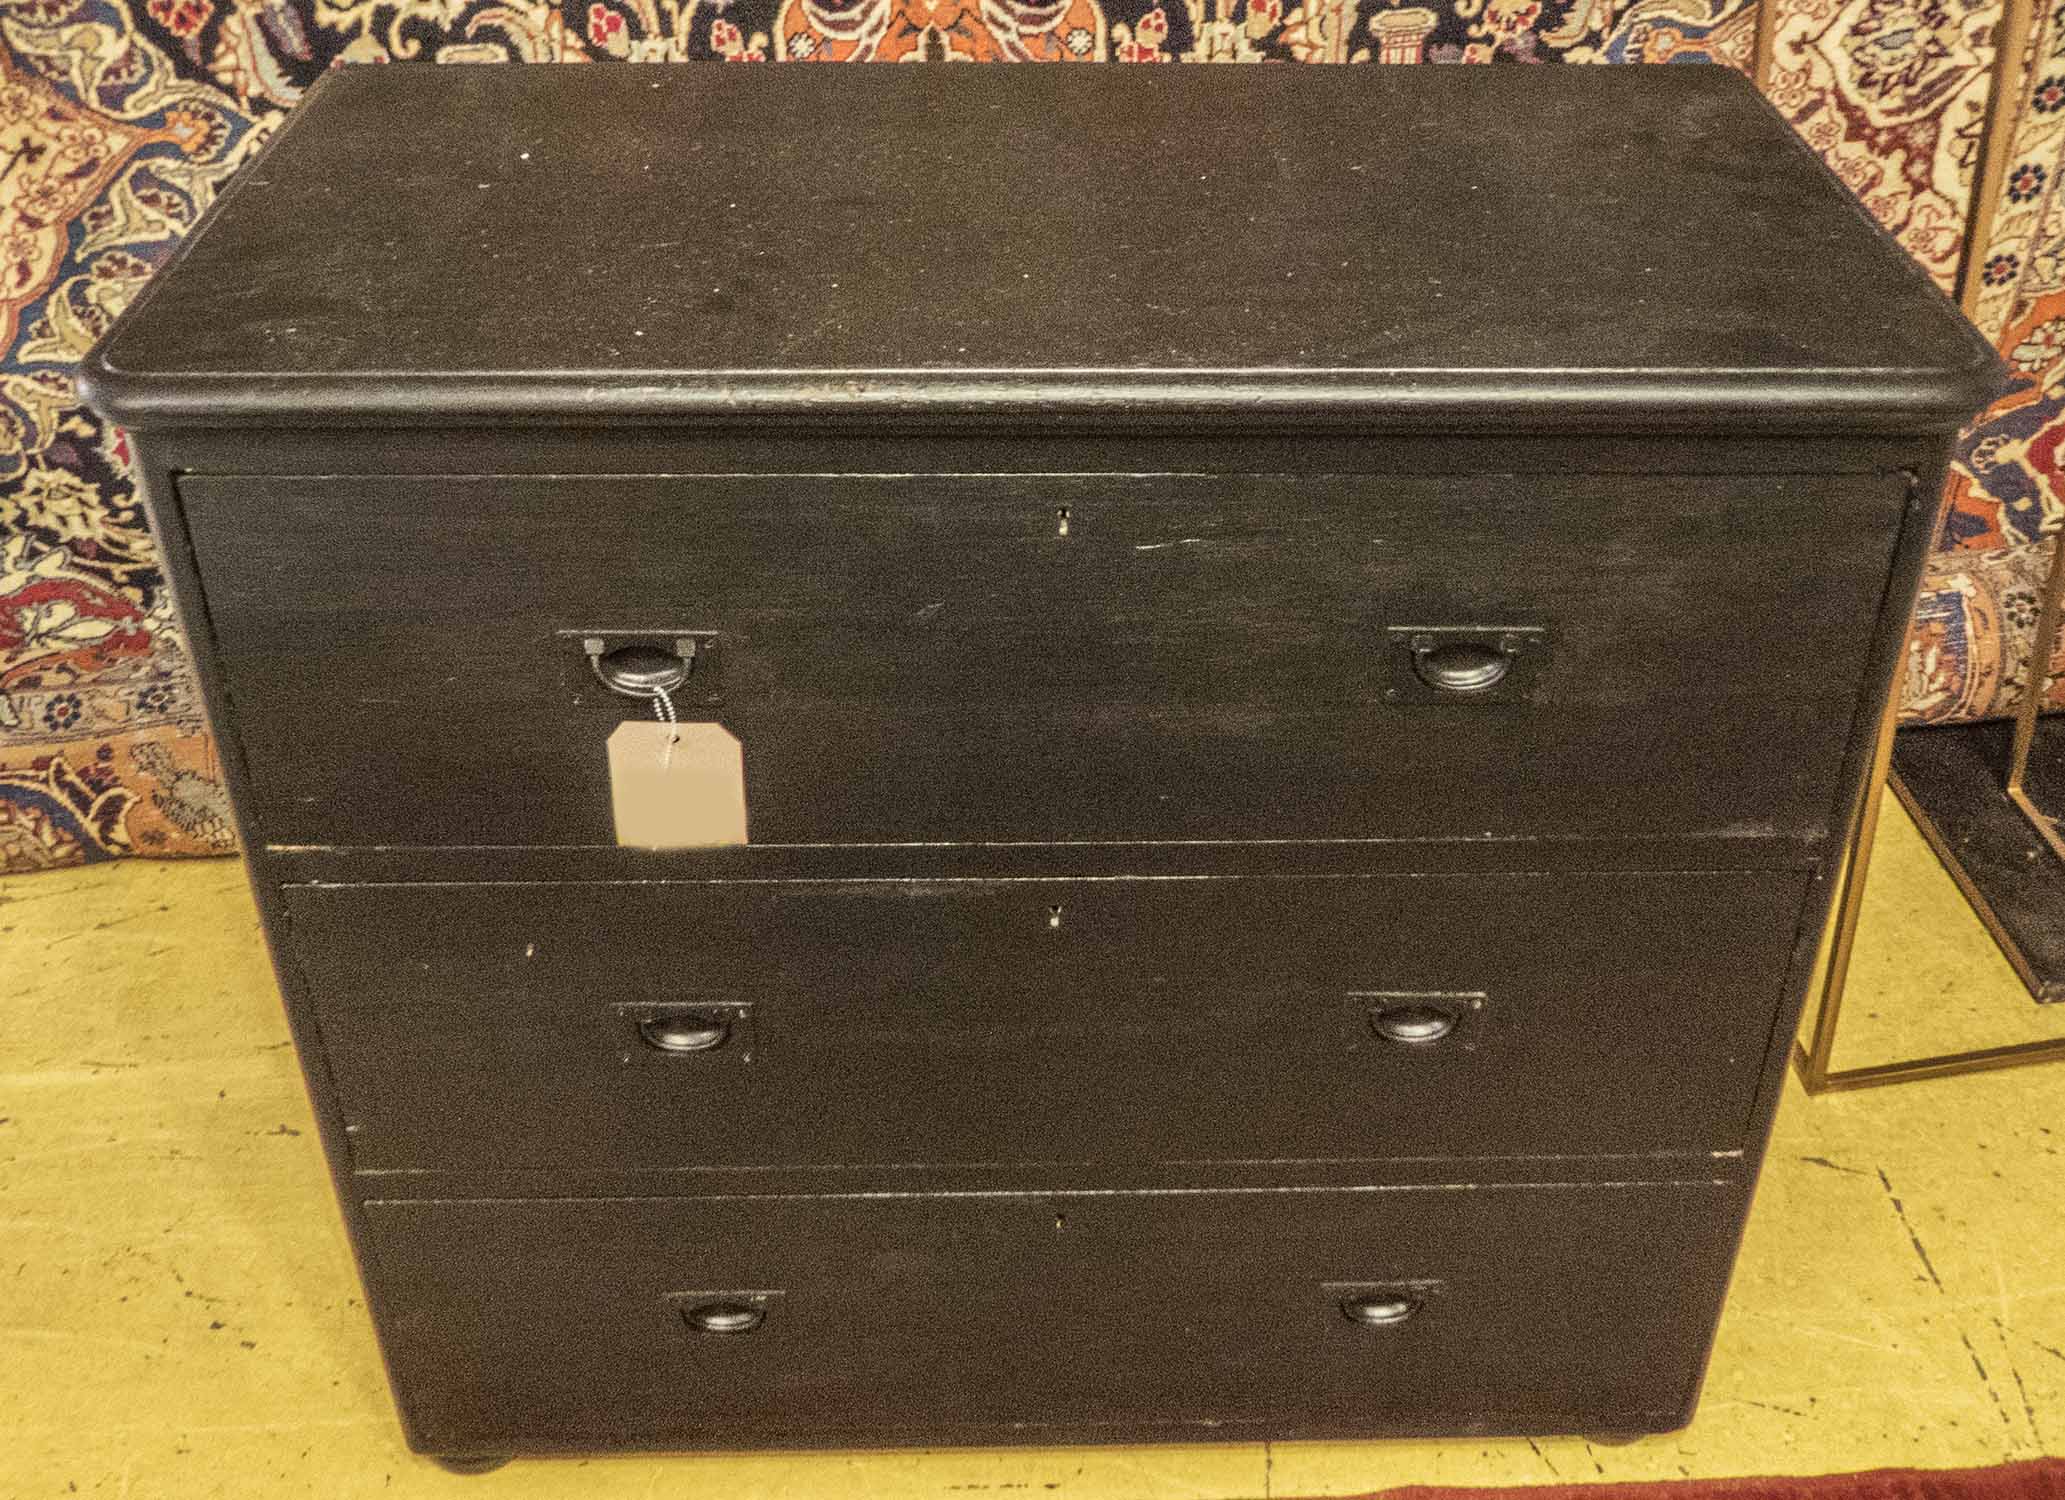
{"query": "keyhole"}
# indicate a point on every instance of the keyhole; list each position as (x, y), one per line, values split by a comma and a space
(1053, 916)
(1061, 523)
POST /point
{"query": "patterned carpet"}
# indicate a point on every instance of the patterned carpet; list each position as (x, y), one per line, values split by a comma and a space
(2043, 1479)
(119, 122)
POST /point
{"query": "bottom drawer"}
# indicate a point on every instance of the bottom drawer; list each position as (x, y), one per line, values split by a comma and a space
(569, 1325)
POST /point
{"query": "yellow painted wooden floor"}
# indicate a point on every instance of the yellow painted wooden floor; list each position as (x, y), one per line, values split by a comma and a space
(178, 1316)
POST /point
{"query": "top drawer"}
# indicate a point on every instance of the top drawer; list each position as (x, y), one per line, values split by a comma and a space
(1051, 657)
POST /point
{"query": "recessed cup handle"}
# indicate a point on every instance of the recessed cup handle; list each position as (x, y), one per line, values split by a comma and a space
(685, 1031)
(642, 669)
(723, 1317)
(1413, 1023)
(1463, 666)
(1381, 1308)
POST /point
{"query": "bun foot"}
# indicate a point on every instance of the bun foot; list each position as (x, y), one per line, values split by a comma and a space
(470, 1463)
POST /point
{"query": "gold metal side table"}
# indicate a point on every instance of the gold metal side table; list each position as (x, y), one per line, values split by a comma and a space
(1812, 1057)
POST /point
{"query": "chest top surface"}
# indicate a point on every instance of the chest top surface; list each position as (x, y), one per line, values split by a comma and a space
(1534, 248)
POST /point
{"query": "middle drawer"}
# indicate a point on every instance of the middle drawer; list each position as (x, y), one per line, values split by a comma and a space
(970, 1021)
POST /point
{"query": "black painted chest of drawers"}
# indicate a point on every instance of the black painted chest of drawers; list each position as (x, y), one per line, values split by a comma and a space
(1304, 643)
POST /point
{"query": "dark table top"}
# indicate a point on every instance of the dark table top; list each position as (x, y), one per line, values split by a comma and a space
(1533, 248)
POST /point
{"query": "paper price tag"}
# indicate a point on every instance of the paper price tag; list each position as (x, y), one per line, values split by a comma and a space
(677, 786)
